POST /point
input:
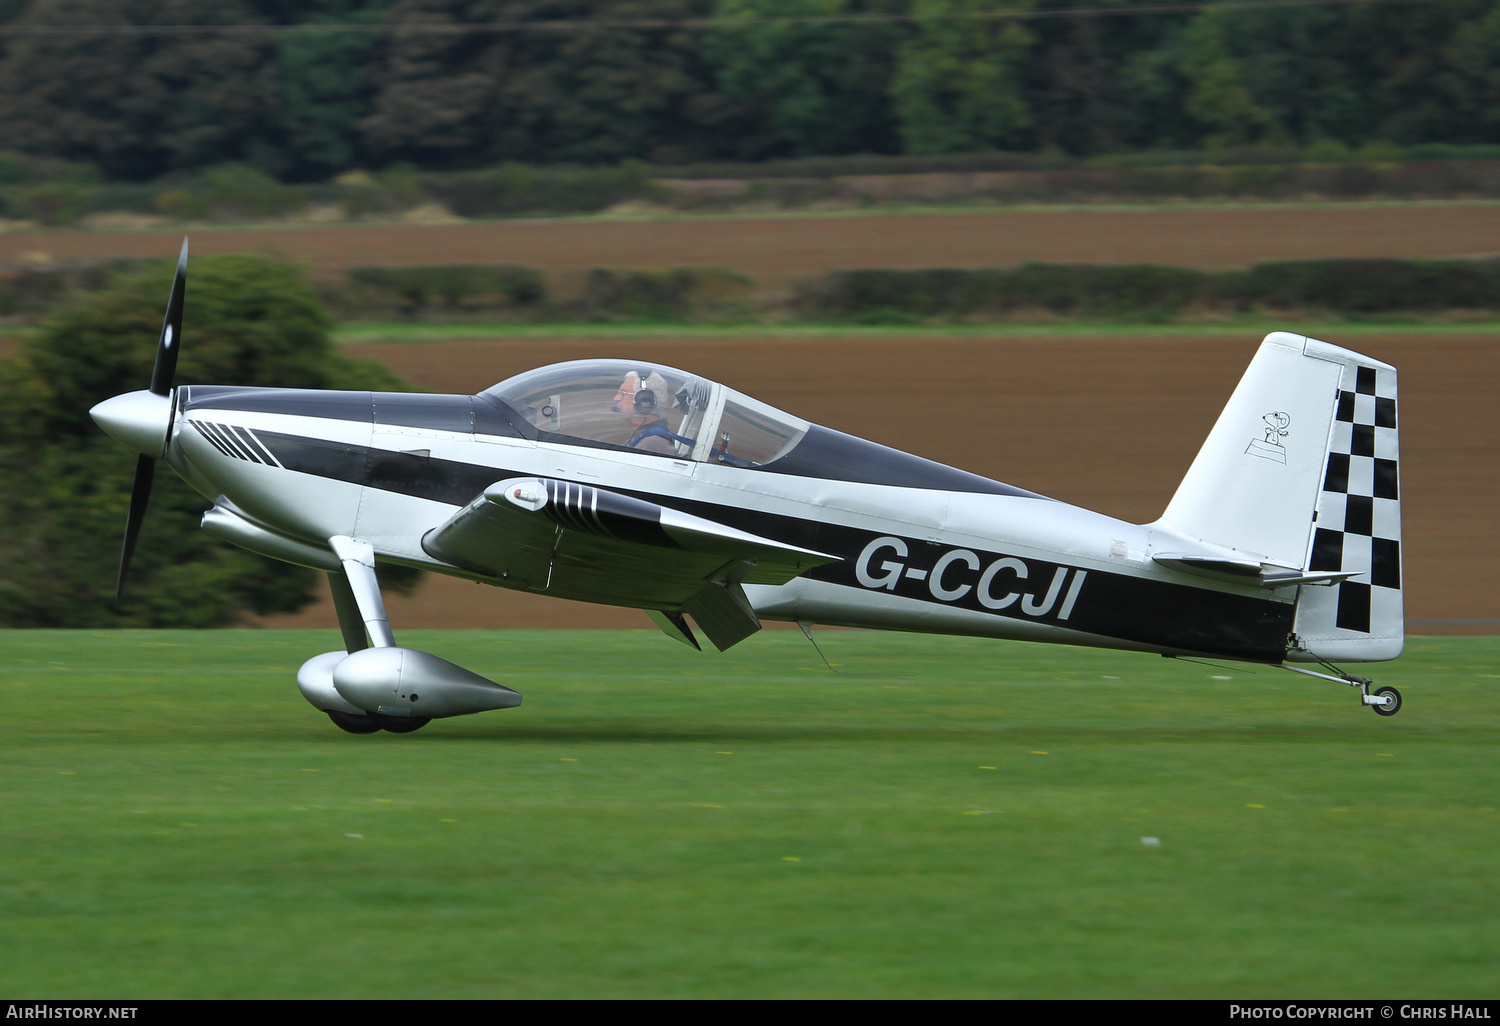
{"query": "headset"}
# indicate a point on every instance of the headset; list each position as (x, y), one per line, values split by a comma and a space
(645, 399)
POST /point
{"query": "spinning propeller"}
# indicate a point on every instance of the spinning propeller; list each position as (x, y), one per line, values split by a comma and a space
(142, 420)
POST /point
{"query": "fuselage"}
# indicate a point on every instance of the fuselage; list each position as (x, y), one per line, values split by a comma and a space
(921, 546)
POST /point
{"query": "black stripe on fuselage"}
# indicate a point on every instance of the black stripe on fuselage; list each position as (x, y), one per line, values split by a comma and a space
(1112, 605)
(464, 414)
(1161, 614)
(407, 473)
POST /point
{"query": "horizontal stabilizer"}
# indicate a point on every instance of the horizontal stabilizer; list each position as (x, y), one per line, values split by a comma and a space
(1250, 571)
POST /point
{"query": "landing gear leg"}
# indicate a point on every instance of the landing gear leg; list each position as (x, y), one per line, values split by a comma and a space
(363, 592)
(362, 620)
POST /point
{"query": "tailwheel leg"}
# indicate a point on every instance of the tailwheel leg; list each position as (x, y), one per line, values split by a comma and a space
(1385, 701)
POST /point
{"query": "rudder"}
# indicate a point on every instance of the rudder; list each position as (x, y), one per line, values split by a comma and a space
(1358, 524)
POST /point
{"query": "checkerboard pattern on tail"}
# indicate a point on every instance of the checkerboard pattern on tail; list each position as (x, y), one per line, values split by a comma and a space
(1358, 522)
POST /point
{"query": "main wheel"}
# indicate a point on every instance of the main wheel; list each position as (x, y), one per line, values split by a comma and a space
(1392, 699)
(353, 724)
(400, 724)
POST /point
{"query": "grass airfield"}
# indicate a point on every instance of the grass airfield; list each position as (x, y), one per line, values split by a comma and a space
(941, 817)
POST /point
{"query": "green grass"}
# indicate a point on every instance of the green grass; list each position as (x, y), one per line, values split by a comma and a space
(945, 817)
(982, 207)
(407, 333)
(750, 211)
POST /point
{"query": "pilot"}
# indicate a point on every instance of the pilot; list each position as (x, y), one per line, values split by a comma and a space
(643, 399)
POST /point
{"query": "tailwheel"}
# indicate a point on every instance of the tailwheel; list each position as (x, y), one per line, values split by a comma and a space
(1385, 701)
(400, 724)
(362, 724)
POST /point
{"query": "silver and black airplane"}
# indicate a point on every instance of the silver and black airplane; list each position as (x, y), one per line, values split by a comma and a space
(639, 485)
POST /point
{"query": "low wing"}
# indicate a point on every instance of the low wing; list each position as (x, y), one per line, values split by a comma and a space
(586, 543)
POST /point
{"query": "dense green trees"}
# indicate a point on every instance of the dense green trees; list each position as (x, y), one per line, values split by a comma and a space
(806, 88)
(452, 93)
(67, 485)
(134, 104)
(957, 86)
(304, 91)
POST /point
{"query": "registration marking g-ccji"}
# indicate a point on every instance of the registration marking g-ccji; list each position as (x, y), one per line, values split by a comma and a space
(951, 578)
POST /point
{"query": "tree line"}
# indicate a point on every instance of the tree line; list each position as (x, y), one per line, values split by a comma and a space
(303, 91)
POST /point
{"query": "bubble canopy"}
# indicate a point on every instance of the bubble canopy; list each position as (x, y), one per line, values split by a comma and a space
(649, 408)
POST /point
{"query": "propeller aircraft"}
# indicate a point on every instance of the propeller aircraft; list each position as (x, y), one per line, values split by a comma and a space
(639, 485)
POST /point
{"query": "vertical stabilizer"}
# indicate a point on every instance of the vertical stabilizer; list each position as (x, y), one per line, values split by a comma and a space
(1300, 472)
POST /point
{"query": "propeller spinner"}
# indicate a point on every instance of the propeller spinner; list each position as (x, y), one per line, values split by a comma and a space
(142, 420)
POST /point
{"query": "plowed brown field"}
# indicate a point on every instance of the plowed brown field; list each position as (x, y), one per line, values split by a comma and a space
(773, 249)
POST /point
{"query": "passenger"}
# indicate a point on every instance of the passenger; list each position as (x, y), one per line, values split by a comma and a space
(643, 399)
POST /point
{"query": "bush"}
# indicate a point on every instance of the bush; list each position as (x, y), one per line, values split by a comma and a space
(180, 205)
(512, 189)
(28, 294)
(1141, 290)
(1151, 292)
(1066, 290)
(1364, 286)
(684, 293)
(362, 194)
(446, 291)
(236, 192)
(54, 204)
(1327, 151)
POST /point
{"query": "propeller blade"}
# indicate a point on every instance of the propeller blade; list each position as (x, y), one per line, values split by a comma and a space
(140, 495)
(162, 375)
(171, 331)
